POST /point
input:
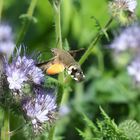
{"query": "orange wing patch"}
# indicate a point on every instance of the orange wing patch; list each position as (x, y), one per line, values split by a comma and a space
(55, 69)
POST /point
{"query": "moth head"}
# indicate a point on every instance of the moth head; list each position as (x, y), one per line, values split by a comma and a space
(76, 73)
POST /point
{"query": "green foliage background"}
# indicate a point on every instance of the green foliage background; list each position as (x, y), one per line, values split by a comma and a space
(107, 83)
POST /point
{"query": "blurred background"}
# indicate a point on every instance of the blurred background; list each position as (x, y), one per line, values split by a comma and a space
(107, 83)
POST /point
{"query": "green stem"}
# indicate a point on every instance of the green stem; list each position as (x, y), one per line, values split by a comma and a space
(51, 133)
(57, 9)
(27, 19)
(5, 135)
(93, 43)
(65, 96)
(1, 8)
(58, 26)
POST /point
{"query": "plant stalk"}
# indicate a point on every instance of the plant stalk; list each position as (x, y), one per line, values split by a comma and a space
(5, 135)
(51, 133)
(93, 43)
(58, 27)
(57, 9)
(26, 21)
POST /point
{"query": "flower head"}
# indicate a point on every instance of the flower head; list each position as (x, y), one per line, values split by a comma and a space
(15, 78)
(40, 109)
(6, 40)
(129, 38)
(123, 10)
(22, 70)
(134, 69)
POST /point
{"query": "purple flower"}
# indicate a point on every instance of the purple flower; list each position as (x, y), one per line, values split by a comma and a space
(134, 69)
(6, 40)
(129, 38)
(129, 5)
(40, 109)
(15, 78)
(123, 10)
(22, 70)
(5, 33)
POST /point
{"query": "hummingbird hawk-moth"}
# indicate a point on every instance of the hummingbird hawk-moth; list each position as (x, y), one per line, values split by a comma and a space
(61, 61)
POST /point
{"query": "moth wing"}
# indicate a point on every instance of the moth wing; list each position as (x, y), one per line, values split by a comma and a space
(45, 65)
(73, 53)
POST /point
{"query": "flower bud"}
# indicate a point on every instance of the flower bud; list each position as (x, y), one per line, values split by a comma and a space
(123, 10)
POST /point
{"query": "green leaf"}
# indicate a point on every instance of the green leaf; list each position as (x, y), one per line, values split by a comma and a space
(106, 129)
(97, 24)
